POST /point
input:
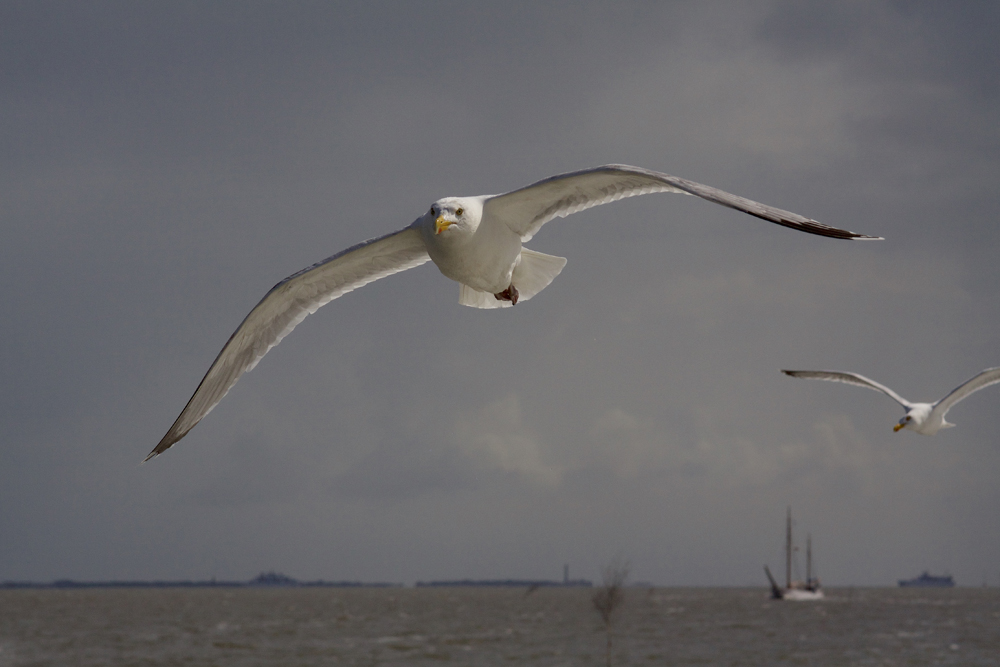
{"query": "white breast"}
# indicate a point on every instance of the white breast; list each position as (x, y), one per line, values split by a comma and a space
(482, 259)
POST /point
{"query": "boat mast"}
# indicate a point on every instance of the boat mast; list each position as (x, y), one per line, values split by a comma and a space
(788, 549)
(809, 559)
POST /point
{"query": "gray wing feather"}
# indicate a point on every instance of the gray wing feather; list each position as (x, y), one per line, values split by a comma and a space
(850, 378)
(287, 304)
(981, 380)
(525, 210)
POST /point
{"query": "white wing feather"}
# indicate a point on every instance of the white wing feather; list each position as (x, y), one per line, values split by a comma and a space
(526, 209)
(287, 304)
(850, 378)
(981, 380)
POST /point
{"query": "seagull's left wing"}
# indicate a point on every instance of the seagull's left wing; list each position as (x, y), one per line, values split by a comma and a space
(287, 304)
(983, 379)
(527, 209)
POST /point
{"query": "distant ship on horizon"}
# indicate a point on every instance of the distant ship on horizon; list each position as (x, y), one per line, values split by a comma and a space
(928, 580)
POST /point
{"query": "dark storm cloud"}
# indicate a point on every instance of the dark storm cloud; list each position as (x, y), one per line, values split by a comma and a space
(166, 164)
(919, 41)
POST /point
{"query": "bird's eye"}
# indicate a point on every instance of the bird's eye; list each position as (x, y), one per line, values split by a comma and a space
(460, 211)
(907, 417)
(432, 210)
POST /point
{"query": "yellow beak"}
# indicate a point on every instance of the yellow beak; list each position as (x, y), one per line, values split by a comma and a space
(441, 224)
(897, 427)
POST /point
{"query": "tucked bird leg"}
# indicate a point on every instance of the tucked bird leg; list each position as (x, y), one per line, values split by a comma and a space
(509, 294)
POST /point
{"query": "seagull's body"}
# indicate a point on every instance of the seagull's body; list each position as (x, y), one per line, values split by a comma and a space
(475, 241)
(924, 418)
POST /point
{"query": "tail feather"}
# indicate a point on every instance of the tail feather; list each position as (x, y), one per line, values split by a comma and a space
(535, 271)
(473, 298)
(532, 274)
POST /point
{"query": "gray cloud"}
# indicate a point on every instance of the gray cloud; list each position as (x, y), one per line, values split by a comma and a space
(164, 165)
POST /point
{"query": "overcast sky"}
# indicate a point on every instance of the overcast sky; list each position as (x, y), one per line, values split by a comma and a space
(164, 164)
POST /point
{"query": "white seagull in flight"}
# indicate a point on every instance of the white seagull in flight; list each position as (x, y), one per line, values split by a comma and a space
(924, 418)
(475, 241)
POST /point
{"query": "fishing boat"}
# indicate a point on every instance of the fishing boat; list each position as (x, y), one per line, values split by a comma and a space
(808, 589)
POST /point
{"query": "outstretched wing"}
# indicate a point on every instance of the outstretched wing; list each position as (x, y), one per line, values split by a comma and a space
(983, 379)
(850, 378)
(527, 209)
(287, 304)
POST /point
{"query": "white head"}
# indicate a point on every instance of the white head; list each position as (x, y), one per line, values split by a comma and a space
(454, 216)
(916, 419)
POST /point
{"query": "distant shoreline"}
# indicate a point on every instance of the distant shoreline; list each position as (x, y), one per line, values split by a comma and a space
(69, 583)
(278, 580)
(263, 580)
(513, 583)
(495, 583)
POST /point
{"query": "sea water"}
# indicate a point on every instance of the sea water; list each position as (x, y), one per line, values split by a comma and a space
(494, 626)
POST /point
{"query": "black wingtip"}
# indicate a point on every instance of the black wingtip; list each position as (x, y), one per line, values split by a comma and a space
(843, 234)
(159, 449)
(811, 226)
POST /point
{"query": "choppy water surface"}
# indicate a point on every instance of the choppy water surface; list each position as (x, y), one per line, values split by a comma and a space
(481, 626)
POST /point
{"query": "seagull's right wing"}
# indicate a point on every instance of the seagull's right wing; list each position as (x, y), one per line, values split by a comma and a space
(982, 379)
(526, 209)
(850, 378)
(287, 304)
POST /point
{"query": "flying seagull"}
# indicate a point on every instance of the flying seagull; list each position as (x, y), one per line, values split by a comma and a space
(924, 418)
(475, 241)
